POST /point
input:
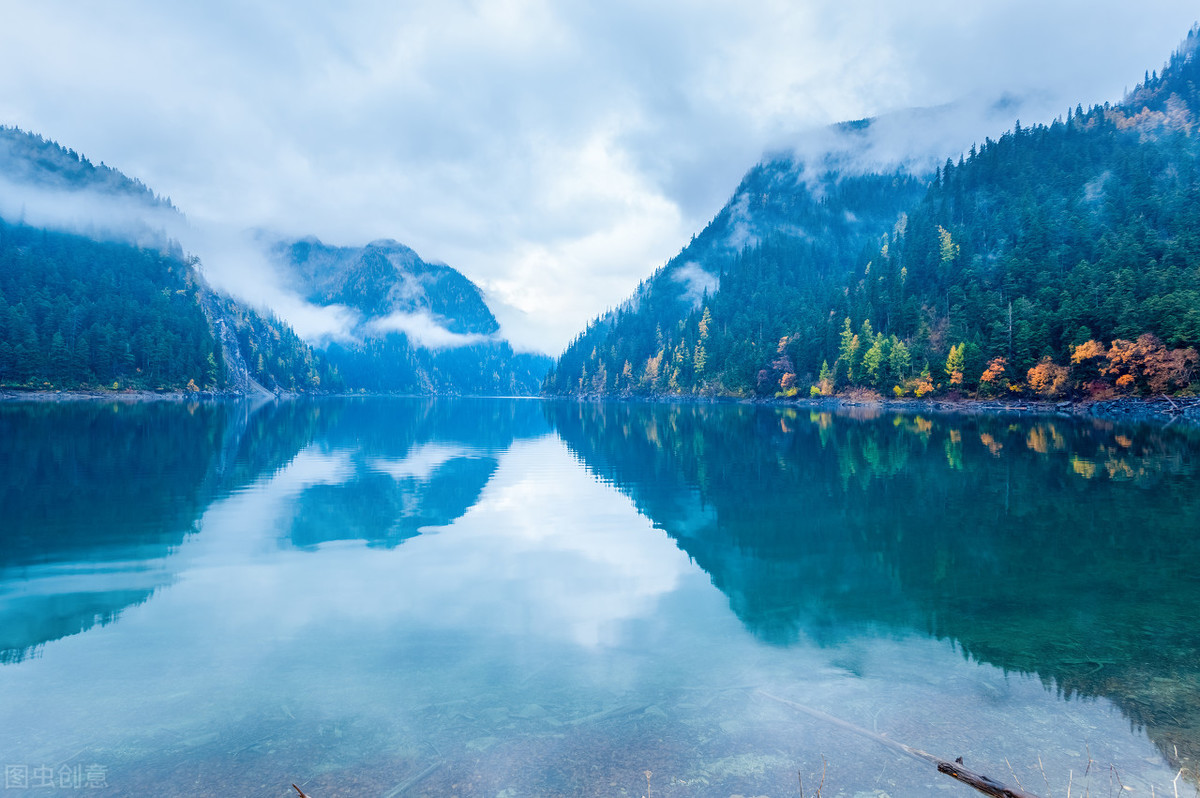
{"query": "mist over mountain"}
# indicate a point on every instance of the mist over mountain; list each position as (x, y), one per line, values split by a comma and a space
(97, 292)
(46, 185)
(843, 265)
(410, 326)
(385, 280)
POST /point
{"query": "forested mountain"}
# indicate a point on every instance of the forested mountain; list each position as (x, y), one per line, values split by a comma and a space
(95, 294)
(712, 316)
(383, 279)
(420, 328)
(32, 160)
(1059, 257)
(78, 313)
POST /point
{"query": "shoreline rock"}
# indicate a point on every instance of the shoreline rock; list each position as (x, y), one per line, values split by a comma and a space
(1161, 409)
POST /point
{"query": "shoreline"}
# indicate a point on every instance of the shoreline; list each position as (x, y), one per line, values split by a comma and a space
(18, 395)
(1161, 409)
(33, 396)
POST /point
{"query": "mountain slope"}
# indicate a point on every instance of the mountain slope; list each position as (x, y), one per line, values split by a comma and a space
(709, 319)
(95, 294)
(386, 278)
(1077, 233)
(32, 160)
(419, 327)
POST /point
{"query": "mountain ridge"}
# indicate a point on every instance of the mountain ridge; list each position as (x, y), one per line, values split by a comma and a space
(96, 293)
(996, 260)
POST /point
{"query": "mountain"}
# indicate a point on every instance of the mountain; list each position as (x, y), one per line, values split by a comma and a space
(708, 320)
(418, 327)
(94, 292)
(385, 279)
(1058, 257)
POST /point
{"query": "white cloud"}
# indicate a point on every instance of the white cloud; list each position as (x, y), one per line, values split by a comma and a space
(554, 153)
(99, 214)
(424, 330)
(696, 282)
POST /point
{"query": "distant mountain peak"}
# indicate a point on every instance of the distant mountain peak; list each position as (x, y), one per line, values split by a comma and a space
(383, 279)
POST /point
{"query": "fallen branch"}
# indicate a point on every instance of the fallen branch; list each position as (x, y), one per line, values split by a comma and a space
(955, 770)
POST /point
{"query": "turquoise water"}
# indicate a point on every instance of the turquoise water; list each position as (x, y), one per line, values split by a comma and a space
(515, 598)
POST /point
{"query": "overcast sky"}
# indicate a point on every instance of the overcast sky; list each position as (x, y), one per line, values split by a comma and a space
(554, 152)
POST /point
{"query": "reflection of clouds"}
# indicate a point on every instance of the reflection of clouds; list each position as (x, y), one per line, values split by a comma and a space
(249, 520)
(556, 557)
(54, 579)
(551, 592)
(421, 462)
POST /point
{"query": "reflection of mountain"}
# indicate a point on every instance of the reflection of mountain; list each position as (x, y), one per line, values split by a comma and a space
(386, 510)
(1051, 547)
(96, 496)
(415, 464)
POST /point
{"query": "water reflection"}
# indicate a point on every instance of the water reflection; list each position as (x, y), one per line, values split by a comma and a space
(437, 597)
(96, 497)
(1061, 548)
(417, 464)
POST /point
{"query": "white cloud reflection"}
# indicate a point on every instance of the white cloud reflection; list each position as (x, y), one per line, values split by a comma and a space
(562, 558)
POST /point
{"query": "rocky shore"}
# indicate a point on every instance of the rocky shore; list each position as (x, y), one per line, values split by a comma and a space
(1163, 409)
(1155, 409)
(17, 395)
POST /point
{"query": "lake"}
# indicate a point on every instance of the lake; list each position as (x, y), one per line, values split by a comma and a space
(385, 597)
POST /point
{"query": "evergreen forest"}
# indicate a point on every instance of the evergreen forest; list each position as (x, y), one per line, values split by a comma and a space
(1059, 259)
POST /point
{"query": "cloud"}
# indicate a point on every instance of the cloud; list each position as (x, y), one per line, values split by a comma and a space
(554, 153)
(696, 282)
(236, 262)
(915, 140)
(98, 214)
(422, 462)
(424, 330)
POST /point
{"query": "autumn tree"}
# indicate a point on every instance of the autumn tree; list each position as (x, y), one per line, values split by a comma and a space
(995, 380)
(1087, 362)
(954, 365)
(1048, 379)
(875, 361)
(848, 346)
(824, 384)
(1148, 366)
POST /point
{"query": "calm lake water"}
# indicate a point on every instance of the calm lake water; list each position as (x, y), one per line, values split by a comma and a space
(517, 598)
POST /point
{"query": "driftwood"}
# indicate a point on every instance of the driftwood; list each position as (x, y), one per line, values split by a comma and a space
(955, 769)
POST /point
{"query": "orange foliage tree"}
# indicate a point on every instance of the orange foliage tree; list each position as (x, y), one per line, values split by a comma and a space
(1048, 378)
(1147, 365)
(995, 380)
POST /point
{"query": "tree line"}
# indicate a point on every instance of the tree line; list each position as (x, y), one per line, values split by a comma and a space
(1081, 233)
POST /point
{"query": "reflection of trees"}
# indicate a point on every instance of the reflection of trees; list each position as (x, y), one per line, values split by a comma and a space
(1057, 547)
(87, 483)
(89, 480)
